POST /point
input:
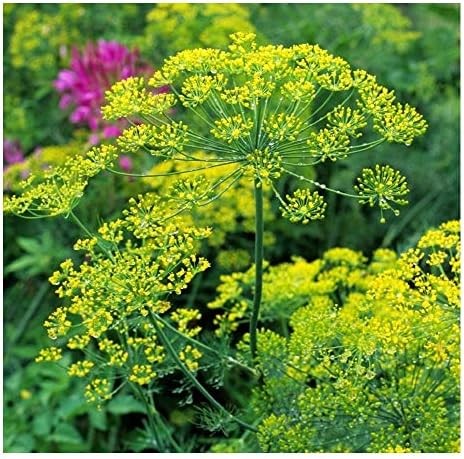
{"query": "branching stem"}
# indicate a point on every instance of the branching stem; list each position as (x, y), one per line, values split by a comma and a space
(190, 376)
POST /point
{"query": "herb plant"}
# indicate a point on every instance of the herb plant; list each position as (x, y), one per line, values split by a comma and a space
(252, 114)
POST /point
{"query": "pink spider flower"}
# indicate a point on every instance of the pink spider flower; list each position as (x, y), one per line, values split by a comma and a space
(12, 152)
(91, 73)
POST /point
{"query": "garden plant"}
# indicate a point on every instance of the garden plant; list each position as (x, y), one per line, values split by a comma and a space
(173, 311)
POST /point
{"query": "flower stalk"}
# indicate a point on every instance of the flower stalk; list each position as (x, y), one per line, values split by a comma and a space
(259, 253)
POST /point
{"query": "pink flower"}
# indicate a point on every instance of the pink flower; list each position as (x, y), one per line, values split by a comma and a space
(125, 163)
(12, 152)
(91, 73)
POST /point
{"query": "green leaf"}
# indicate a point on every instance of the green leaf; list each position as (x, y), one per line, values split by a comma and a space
(21, 263)
(98, 419)
(71, 406)
(29, 244)
(42, 424)
(66, 433)
(124, 404)
(23, 443)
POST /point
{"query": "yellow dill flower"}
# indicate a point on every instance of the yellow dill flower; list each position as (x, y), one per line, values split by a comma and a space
(359, 355)
(304, 206)
(57, 323)
(232, 128)
(98, 391)
(382, 185)
(142, 374)
(81, 368)
(190, 356)
(182, 317)
(49, 354)
(78, 341)
(268, 110)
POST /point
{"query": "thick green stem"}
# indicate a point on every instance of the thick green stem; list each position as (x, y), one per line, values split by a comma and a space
(259, 231)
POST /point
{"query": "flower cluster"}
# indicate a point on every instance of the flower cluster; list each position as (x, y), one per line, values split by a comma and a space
(38, 38)
(113, 299)
(268, 109)
(37, 164)
(387, 25)
(372, 361)
(381, 186)
(304, 206)
(233, 213)
(172, 27)
(58, 190)
(91, 73)
(245, 98)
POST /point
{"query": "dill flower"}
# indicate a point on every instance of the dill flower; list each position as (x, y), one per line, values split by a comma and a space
(268, 110)
(372, 361)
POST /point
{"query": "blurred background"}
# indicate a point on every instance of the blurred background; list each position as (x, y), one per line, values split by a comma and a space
(58, 61)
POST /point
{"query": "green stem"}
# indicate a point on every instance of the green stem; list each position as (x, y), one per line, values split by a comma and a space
(258, 265)
(191, 377)
(80, 224)
(204, 346)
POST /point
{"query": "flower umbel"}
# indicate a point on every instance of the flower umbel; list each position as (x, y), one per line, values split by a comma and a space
(382, 186)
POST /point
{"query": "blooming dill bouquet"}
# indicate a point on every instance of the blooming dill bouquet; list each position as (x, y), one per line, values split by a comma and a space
(260, 113)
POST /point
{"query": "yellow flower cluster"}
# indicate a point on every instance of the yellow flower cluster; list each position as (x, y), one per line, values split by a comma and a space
(282, 127)
(131, 97)
(124, 285)
(142, 374)
(387, 25)
(233, 213)
(98, 391)
(264, 165)
(232, 128)
(81, 368)
(164, 141)
(57, 324)
(259, 108)
(197, 89)
(38, 163)
(190, 356)
(347, 120)
(49, 354)
(264, 107)
(372, 360)
(57, 191)
(182, 317)
(304, 206)
(37, 37)
(330, 144)
(175, 26)
(382, 185)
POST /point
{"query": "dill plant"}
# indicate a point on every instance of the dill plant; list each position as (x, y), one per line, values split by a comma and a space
(372, 361)
(268, 110)
(256, 113)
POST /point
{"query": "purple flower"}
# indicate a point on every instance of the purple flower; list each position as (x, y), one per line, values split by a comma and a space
(125, 163)
(12, 152)
(93, 71)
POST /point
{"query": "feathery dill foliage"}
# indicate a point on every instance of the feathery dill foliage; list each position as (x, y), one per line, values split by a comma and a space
(372, 361)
